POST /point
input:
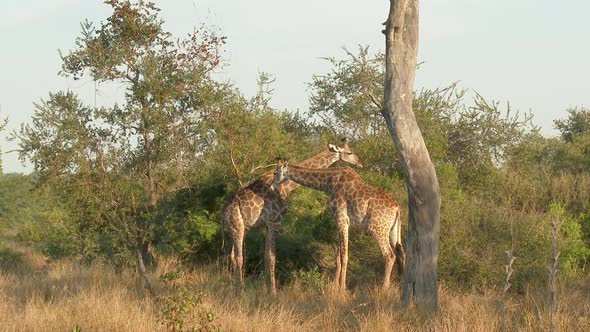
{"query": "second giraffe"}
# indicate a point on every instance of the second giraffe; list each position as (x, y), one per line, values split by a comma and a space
(353, 203)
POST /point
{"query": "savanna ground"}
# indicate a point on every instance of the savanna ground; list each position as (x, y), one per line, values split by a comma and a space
(39, 295)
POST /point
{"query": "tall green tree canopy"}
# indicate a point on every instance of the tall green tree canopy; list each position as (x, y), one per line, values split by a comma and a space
(117, 162)
(576, 124)
(473, 137)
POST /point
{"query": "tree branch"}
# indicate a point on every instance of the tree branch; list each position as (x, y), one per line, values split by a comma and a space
(235, 171)
(374, 99)
(259, 167)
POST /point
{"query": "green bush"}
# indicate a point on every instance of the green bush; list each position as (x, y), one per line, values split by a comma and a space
(574, 253)
(182, 309)
(311, 279)
(60, 241)
(10, 259)
(30, 232)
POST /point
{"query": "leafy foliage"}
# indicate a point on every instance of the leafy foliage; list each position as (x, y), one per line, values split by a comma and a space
(573, 252)
(114, 164)
(577, 124)
(178, 310)
(311, 279)
(17, 201)
(9, 259)
(246, 134)
(474, 138)
(347, 98)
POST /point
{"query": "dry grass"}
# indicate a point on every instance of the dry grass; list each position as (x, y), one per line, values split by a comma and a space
(58, 296)
(42, 296)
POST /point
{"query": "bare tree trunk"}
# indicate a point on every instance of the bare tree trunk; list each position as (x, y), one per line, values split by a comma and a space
(144, 276)
(150, 172)
(401, 40)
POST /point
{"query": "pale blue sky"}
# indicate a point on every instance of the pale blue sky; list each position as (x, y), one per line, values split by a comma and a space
(535, 54)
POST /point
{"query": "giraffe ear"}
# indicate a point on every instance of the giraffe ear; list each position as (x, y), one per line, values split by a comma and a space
(334, 148)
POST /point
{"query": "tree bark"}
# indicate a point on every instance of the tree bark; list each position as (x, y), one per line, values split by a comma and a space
(144, 276)
(401, 49)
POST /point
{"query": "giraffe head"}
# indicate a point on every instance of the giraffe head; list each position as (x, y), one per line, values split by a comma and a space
(334, 153)
(281, 174)
(345, 153)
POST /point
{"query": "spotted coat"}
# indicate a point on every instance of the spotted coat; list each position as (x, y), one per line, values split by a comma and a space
(356, 204)
(257, 205)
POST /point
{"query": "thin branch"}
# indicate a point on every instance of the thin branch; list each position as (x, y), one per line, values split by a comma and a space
(510, 253)
(259, 167)
(374, 100)
(509, 270)
(235, 171)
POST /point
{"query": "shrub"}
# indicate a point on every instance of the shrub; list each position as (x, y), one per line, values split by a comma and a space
(10, 259)
(60, 241)
(574, 253)
(184, 310)
(311, 279)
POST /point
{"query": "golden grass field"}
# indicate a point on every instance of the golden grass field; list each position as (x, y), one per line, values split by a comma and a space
(61, 296)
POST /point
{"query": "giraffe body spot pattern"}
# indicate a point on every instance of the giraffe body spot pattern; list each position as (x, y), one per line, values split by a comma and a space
(356, 204)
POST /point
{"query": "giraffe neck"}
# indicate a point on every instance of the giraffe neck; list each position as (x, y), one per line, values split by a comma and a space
(319, 179)
(322, 160)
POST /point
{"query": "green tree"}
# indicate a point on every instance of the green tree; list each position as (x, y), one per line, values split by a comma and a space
(17, 205)
(577, 124)
(569, 153)
(574, 155)
(474, 138)
(347, 98)
(245, 135)
(480, 137)
(117, 163)
(83, 164)
(533, 152)
(32, 215)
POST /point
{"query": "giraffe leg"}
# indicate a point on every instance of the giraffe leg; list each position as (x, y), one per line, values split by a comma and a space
(232, 256)
(237, 255)
(270, 257)
(343, 254)
(389, 259)
(338, 266)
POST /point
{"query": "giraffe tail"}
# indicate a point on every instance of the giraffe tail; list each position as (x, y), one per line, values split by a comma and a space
(223, 222)
(395, 239)
(225, 258)
(222, 233)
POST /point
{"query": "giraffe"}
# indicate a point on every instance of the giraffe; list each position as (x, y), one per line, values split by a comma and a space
(256, 205)
(353, 203)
